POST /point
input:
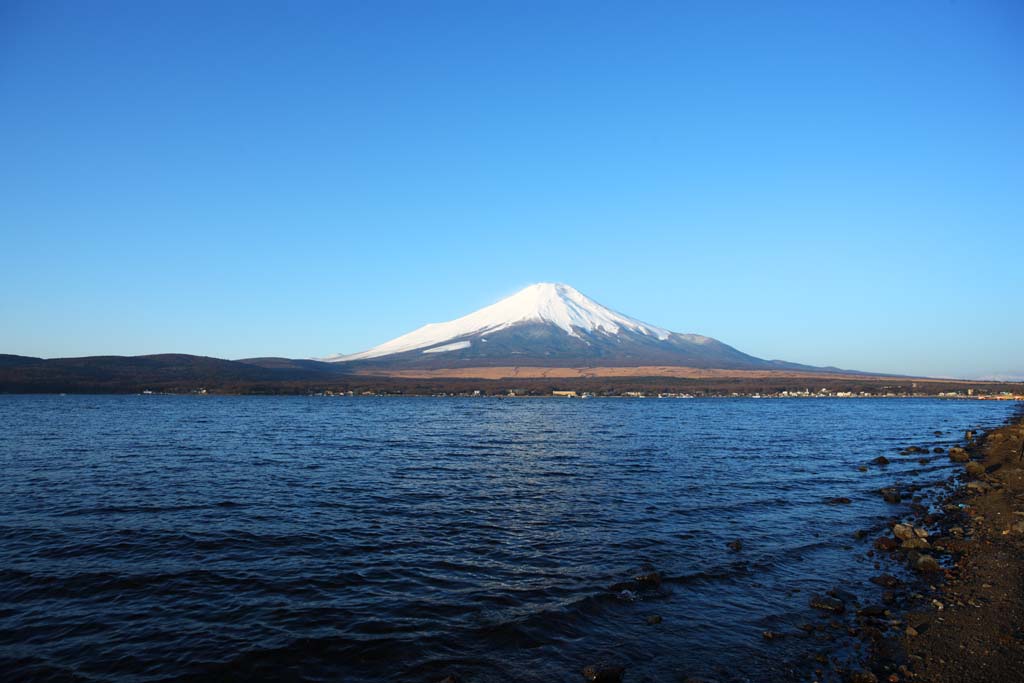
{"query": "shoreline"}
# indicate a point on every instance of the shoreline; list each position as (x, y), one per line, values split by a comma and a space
(962, 619)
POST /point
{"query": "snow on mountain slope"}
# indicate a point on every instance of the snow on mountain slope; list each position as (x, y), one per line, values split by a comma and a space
(454, 346)
(546, 302)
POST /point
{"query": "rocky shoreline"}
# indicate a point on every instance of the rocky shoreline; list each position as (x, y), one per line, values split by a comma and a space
(961, 619)
(947, 602)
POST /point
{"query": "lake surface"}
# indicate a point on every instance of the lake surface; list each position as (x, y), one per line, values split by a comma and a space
(151, 538)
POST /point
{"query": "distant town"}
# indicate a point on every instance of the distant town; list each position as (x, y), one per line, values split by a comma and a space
(969, 394)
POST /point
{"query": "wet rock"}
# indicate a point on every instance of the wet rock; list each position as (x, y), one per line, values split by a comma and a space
(974, 469)
(839, 501)
(912, 632)
(872, 611)
(978, 487)
(735, 546)
(914, 544)
(926, 563)
(828, 604)
(888, 597)
(958, 455)
(881, 460)
(886, 544)
(771, 635)
(648, 580)
(938, 449)
(626, 595)
(885, 580)
(1017, 528)
(890, 495)
(840, 594)
(653, 619)
(603, 673)
(903, 531)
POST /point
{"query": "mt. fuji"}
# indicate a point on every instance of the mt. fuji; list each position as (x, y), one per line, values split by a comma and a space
(552, 325)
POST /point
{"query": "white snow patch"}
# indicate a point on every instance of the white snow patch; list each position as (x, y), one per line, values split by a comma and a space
(454, 346)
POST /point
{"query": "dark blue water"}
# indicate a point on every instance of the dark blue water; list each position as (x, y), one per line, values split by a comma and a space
(147, 538)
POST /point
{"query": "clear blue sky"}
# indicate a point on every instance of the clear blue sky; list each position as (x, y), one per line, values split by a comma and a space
(827, 183)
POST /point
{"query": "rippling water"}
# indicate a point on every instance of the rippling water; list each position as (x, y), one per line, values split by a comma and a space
(148, 538)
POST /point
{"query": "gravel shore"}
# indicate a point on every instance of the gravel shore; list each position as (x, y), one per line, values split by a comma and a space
(965, 618)
(978, 635)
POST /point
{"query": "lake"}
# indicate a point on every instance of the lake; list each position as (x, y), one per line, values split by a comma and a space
(153, 538)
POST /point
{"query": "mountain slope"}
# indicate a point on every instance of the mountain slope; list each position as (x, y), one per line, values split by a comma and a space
(552, 325)
(172, 371)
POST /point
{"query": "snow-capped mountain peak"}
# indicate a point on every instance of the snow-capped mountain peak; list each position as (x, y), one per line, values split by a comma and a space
(550, 303)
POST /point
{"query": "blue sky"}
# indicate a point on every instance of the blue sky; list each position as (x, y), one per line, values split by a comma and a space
(827, 183)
